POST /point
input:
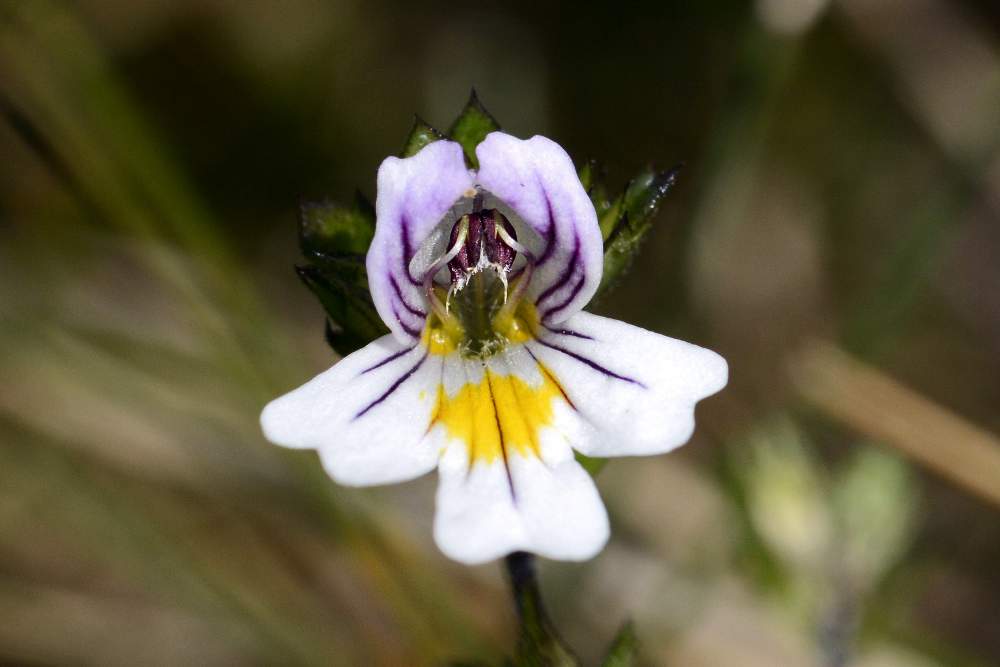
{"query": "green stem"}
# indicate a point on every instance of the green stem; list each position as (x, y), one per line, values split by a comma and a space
(538, 642)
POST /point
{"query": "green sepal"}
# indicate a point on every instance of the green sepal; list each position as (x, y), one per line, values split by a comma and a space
(625, 224)
(472, 126)
(610, 216)
(645, 192)
(591, 464)
(352, 320)
(591, 176)
(624, 650)
(326, 228)
(589, 173)
(421, 134)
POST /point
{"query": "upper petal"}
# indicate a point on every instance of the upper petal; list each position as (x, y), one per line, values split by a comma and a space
(368, 415)
(536, 178)
(414, 194)
(632, 391)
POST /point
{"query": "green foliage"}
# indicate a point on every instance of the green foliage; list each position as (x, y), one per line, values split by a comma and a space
(330, 229)
(590, 464)
(472, 126)
(624, 648)
(353, 321)
(626, 220)
(538, 644)
(421, 134)
(335, 239)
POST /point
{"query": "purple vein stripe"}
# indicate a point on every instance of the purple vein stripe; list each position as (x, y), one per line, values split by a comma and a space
(550, 234)
(569, 298)
(566, 275)
(413, 331)
(395, 385)
(593, 364)
(407, 251)
(567, 332)
(503, 444)
(391, 357)
(404, 225)
(399, 295)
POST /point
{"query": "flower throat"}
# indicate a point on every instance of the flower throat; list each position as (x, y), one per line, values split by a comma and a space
(481, 308)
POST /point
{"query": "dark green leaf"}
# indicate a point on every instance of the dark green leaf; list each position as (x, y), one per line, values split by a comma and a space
(472, 126)
(588, 174)
(592, 177)
(625, 224)
(331, 229)
(644, 194)
(624, 648)
(611, 215)
(420, 135)
(354, 321)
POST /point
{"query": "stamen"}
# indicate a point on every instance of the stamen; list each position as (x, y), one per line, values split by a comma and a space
(509, 306)
(512, 242)
(442, 310)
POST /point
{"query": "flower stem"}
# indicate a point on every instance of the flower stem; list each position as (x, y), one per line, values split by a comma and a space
(538, 642)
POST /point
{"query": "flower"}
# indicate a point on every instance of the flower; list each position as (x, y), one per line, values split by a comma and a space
(492, 373)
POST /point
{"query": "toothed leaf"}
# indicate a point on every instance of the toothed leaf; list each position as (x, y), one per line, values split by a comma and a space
(331, 229)
(625, 224)
(472, 126)
(353, 321)
(421, 134)
(644, 194)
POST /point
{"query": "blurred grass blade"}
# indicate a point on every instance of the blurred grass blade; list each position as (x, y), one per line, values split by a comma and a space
(872, 403)
(624, 649)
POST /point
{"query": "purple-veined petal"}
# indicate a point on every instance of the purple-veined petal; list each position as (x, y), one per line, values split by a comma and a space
(508, 478)
(368, 415)
(632, 391)
(536, 179)
(414, 194)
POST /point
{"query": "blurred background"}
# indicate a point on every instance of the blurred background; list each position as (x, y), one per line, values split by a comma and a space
(835, 234)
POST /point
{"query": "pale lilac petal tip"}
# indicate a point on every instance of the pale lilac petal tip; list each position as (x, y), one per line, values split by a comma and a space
(414, 194)
(536, 179)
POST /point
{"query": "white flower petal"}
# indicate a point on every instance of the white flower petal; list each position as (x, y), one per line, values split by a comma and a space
(633, 391)
(368, 415)
(523, 490)
(414, 194)
(491, 510)
(536, 179)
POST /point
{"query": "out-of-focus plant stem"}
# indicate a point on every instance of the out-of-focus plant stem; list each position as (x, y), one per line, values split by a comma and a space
(538, 642)
(874, 404)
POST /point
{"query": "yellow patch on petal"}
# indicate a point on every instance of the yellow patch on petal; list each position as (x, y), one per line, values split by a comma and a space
(519, 326)
(502, 413)
(442, 339)
(447, 336)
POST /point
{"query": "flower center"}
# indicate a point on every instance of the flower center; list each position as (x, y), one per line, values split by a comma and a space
(482, 310)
